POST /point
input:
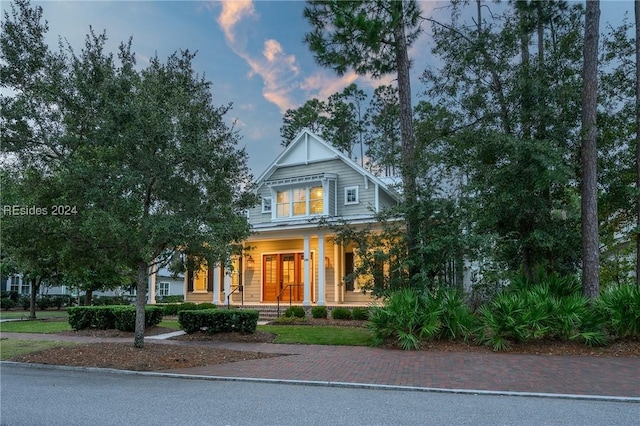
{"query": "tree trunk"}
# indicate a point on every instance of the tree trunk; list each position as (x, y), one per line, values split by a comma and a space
(88, 297)
(637, 19)
(406, 131)
(590, 237)
(141, 301)
(34, 293)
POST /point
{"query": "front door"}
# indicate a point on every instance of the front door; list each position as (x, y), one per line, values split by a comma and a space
(283, 275)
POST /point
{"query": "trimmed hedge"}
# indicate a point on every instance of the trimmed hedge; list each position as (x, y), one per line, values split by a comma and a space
(218, 320)
(360, 313)
(118, 317)
(341, 313)
(319, 312)
(174, 308)
(295, 312)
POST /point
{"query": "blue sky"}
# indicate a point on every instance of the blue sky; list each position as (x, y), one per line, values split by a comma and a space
(252, 51)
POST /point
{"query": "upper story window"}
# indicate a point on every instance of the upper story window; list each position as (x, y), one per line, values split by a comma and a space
(266, 205)
(351, 195)
(301, 201)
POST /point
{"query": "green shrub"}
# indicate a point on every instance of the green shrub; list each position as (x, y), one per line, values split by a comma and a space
(319, 312)
(620, 307)
(170, 299)
(218, 320)
(153, 315)
(341, 313)
(295, 312)
(25, 302)
(109, 301)
(537, 313)
(202, 306)
(187, 306)
(7, 303)
(42, 303)
(79, 318)
(170, 309)
(103, 319)
(410, 316)
(397, 319)
(13, 295)
(58, 301)
(191, 320)
(111, 317)
(125, 318)
(360, 313)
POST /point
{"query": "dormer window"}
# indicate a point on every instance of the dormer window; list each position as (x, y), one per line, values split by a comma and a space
(302, 196)
(302, 201)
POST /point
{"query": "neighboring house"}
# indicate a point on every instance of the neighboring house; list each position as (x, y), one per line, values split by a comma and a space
(288, 256)
(161, 284)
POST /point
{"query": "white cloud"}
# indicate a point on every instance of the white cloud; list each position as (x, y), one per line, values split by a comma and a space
(275, 67)
(232, 13)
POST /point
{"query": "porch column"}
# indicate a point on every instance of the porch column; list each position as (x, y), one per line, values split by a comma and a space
(307, 274)
(227, 287)
(337, 265)
(216, 286)
(321, 270)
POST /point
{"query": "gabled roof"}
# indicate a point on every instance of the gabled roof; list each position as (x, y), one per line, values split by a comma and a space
(307, 148)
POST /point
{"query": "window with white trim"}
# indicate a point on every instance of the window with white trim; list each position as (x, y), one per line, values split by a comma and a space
(266, 205)
(162, 288)
(351, 195)
(300, 201)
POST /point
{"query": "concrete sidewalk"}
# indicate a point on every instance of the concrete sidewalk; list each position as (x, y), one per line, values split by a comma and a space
(589, 377)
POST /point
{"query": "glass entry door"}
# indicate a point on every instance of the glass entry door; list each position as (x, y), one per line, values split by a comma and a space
(284, 275)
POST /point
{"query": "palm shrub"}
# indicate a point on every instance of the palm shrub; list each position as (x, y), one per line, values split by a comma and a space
(563, 286)
(620, 307)
(399, 318)
(522, 315)
(574, 319)
(500, 321)
(455, 318)
(410, 316)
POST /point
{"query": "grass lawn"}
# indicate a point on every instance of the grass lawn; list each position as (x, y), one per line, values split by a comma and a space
(10, 348)
(34, 326)
(319, 335)
(169, 324)
(39, 314)
(303, 334)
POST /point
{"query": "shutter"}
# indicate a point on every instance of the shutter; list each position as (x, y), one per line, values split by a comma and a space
(209, 279)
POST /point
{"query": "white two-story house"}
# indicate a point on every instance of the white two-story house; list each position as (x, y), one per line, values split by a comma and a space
(289, 257)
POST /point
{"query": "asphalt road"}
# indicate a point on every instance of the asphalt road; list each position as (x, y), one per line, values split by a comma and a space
(43, 396)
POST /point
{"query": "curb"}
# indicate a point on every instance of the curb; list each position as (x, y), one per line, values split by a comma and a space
(628, 399)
